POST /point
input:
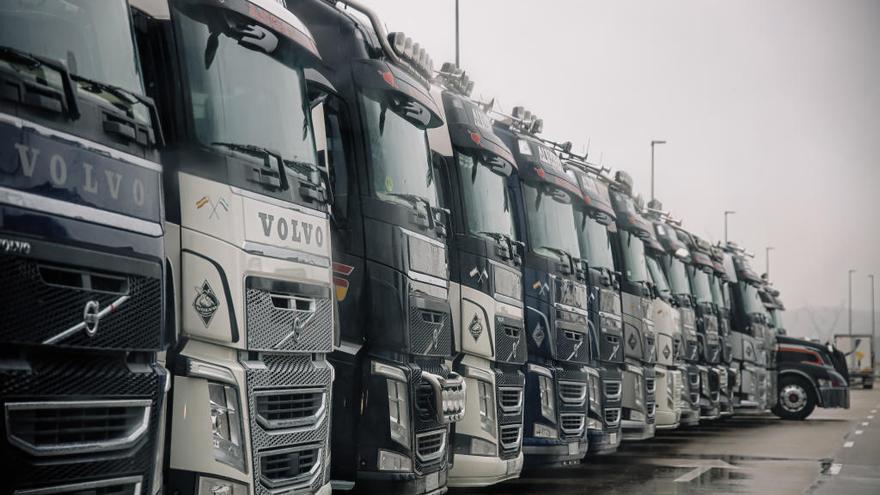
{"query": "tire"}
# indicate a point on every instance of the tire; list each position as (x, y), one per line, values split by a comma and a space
(797, 398)
(868, 386)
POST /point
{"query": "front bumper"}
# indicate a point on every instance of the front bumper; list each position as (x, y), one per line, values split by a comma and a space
(552, 451)
(604, 442)
(635, 431)
(471, 471)
(402, 483)
(833, 397)
(690, 416)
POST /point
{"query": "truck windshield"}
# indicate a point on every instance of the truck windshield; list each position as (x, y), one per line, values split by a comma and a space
(715, 286)
(485, 196)
(659, 278)
(400, 159)
(700, 284)
(594, 241)
(677, 275)
(241, 97)
(751, 298)
(635, 267)
(550, 222)
(92, 38)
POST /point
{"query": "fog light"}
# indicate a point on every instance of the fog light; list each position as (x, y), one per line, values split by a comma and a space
(482, 447)
(544, 431)
(214, 486)
(392, 461)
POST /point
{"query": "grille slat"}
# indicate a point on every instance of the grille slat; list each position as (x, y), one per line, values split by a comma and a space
(290, 408)
(572, 392)
(288, 322)
(612, 416)
(612, 389)
(572, 424)
(291, 466)
(430, 446)
(510, 437)
(510, 343)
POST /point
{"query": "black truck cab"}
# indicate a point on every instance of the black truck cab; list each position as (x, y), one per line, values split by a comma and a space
(810, 375)
(595, 222)
(636, 297)
(395, 395)
(82, 257)
(555, 297)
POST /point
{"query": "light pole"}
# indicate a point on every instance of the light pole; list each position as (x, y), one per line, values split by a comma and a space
(457, 60)
(851, 271)
(767, 260)
(726, 213)
(873, 328)
(652, 165)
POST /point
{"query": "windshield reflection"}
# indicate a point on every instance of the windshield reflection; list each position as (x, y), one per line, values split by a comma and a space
(700, 284)
(635, 267)
(550, 222)
(485, 196)
(658, 277)
(594, 241)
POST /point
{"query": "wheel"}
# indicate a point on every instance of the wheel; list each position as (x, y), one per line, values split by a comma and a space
(796, 398)
(868, 385)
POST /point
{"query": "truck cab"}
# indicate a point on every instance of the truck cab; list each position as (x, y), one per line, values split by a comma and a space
(485, 287)
(809, 375)
(674, 262)
(748, 324)
(554, 294)
(636, 295)
(718, 283)
(700, 269)
(859, 352)
(248, 247)
(82, 258)
(396, 397)
(595, 221)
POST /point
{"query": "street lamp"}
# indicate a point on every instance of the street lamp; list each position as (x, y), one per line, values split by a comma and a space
(873, 328)
(652, 165)
(851, 271)
(726, 213)
(767, 260)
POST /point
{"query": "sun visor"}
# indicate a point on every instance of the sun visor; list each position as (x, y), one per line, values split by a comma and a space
(628, 218)
(470, 128)
(396, 83)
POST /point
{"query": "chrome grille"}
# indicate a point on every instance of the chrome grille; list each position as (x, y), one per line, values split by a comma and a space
(430, 446)
(289, 320)
(572, 423)
(572, 392)
(650, 386)
(291, 466)
(290, 408)
(76, 427)
(510, 399)
(510, 436)
(612, 389)
(612, 416)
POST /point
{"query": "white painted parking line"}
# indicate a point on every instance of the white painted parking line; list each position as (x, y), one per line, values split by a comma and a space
(873, 411)
(859, 432)
(848, 445)
(865, 423)
(869, 417)
(835, 469)
(692, 474)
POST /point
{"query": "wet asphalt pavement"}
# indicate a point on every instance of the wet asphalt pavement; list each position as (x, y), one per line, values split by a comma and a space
(833, 452)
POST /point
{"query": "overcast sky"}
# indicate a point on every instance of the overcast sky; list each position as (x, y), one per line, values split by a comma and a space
(770, 108)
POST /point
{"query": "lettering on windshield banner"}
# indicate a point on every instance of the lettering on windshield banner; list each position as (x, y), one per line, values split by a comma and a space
(64, 170)
(480, 118)
(285, 228)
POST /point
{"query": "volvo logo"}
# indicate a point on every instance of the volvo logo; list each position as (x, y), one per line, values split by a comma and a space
(516, 335)
(296, 328)
(91, 317)
(12, 246)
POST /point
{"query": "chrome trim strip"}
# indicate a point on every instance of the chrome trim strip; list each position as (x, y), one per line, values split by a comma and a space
(85, 143)
(299, 481)
(276, 202)
(260, 249)
(387, 371)
(349, 347)
(572, 309)
(79, 447)
(208, 371)
(519, 399)
(508, 300)
(311, 420)
(427, 279)
(88, 485)
(74, 211)
(534, 368)
(97, 317)
(478, 374)
(515, 443)
(508, 310)
(570, 400)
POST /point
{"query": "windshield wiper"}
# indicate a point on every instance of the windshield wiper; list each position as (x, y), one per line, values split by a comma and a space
(11, 54)
(123, 94)
(560, 252)
(269, 174)
(311, 188)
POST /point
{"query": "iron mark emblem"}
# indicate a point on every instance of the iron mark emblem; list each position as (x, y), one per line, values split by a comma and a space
(538, 334)
(475, 328)
(666, 351)
(632, 341)
(206, 303)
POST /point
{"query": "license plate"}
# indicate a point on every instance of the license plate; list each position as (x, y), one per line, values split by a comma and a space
(573, 448)
(432, 481)
(613, 438)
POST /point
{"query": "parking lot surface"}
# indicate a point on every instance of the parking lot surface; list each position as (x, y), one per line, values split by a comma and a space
(833, 452)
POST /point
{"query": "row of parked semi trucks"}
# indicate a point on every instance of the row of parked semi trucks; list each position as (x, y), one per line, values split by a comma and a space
(239, 236)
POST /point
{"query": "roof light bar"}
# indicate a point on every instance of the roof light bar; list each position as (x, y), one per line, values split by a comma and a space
(455, 79)
(411, 52)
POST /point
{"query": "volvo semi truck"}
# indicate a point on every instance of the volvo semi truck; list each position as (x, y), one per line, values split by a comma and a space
(748, 319)
(81, 254)
(554, 294)
(718, 283)
(485, 287)
(594, 221)
(667, 323)
(712, 376)
(396, 396)
(674, 263)
(639, 340)
(248, 247)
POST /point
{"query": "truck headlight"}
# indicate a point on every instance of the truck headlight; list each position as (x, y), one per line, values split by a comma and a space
(594, 393)
(544, 431)
(214, 486)
(548, 399)
(483, 447)
(486, 397)
(226, 425)
(398, 412)
(594, 424)
(392, 461)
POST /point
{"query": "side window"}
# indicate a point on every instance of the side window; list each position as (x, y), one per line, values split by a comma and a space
(331, 134)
